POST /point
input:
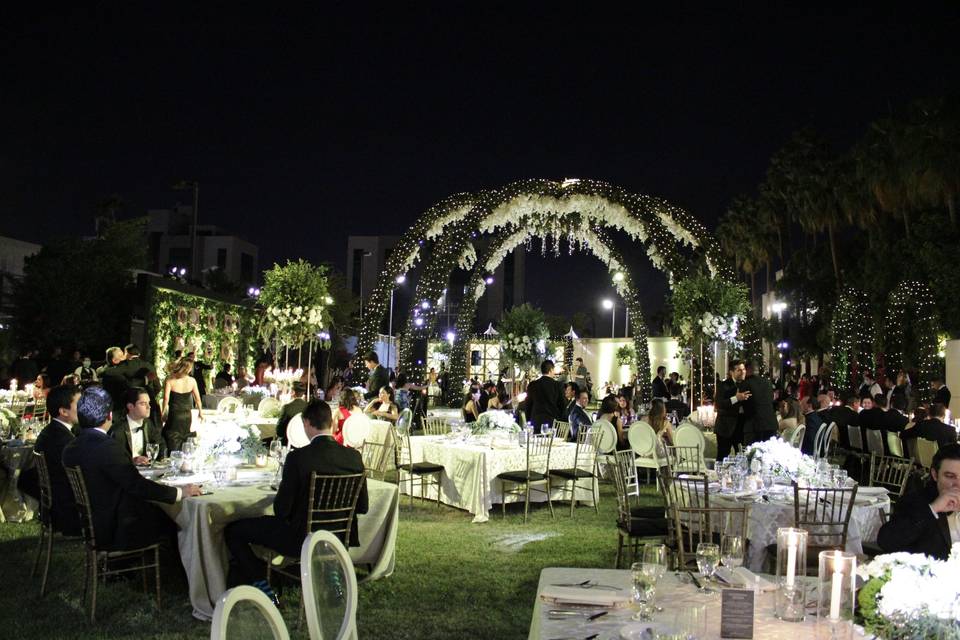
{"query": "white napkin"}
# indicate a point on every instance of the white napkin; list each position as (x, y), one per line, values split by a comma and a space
(872, 491)
(744, 578)
(578, 595)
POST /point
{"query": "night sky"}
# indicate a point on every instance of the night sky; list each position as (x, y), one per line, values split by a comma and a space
(304, 128)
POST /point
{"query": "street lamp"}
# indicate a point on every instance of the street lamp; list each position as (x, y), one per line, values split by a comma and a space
(400, 280)
(609, 305)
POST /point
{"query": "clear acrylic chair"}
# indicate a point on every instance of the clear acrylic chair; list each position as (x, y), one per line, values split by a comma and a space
(329, 584)
(246, 613)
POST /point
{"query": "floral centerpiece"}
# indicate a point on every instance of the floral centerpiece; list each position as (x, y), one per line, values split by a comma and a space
(9, 422)
(708, 309)
(910, 595)
(228, 440)
(523, 336)
(296, 302)
(494, 421)
(782, 459)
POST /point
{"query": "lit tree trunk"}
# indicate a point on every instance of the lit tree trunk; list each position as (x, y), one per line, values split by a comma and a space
(833, 255)
(951, 210)
(906, 223)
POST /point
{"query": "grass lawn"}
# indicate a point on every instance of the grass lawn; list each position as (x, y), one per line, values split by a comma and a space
(453, 579)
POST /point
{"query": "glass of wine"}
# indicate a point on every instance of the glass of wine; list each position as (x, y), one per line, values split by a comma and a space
(708, 556)
(731, 551)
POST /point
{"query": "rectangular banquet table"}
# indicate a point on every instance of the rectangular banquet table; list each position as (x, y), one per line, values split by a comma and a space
(673, 595)
(469, 480)
(202, 520)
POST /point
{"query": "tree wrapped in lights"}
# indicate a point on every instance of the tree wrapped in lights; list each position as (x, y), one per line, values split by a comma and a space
(912, 331)
(852, 330)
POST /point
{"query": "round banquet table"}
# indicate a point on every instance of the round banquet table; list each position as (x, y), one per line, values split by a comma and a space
(14, 506)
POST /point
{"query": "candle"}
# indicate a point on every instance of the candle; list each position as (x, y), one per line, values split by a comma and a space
(791, 559)
(836, 587)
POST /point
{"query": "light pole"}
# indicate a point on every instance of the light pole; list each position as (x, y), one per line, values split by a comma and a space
(400, 280)
(609, 304)
(366, 254)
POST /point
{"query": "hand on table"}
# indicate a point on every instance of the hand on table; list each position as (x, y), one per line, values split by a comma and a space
(141, 461)
(947, 502)
(191, 490)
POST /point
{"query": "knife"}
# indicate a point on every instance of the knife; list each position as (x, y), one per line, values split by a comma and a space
(694, 578)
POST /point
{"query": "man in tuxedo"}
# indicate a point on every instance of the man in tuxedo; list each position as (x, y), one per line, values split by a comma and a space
(659, 386)
(489, 390)
(812, 423)
(927, 521)
(729, 402)
(874, 417)
(136, 429)
(545, 398)
(933, 428)
(120, 498)
(285, 530)
(845, 415)
(377, 378)
(292, 408)
(62, 405)
(759, 419)
(941, 392)
(578, 416)
(570, 393)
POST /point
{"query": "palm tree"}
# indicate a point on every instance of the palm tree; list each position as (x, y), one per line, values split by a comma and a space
(935, 153)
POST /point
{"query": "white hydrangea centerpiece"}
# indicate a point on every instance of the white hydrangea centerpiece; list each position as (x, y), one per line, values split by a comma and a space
(782, 459)
(494, 420)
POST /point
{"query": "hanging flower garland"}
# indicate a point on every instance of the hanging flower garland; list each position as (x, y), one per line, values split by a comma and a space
(296, 300)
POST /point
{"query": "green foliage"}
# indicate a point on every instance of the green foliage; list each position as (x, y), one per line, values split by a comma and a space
(296, 299)
(626, 355)
(697, 295)
(852, 338)
(80, 291)
(520, 330)
(912, 334)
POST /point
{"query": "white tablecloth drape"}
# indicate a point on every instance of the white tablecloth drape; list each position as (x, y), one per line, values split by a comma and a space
(673, 595)
(469, 480)
(14, 506)
(204, 552)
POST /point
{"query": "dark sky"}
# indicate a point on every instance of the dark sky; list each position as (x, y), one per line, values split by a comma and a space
(303, 128)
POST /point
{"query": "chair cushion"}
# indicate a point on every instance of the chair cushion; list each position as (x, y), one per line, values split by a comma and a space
(642, 527)
(423, 467)
(647, 512)
(521, 476)
(571, 473)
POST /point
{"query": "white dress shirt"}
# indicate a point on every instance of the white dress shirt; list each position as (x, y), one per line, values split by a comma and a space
(137, 445)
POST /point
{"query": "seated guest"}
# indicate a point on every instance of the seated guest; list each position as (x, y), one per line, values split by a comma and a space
(223, 378)
(676, 402)
(844, 416)
(349, 405)
(625, 410)
(789, 411)
(495, 402)
(384, 407)
(578, 417)
(927, 521)
(242, 380)
(85, 372)
(292, 408)
(610, 411)
(120, 498)
(657, 419)
(285, 530)
(570, 393)
(135, 430)
(471, 405)
(812, 423)
(488, 391)
(62, 406)
(933, 428)
(333, 391)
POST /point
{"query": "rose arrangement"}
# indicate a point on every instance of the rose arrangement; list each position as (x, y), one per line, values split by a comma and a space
(494, 421)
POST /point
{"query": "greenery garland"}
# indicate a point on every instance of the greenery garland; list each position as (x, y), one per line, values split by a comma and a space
(911, 310)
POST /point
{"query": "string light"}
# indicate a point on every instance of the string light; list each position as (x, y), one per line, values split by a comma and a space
(852, 337)
(912, 304)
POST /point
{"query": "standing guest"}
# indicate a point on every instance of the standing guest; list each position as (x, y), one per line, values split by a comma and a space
(25, 368)
(384, 407)
(759, 419)
(199, 373)
(284, 531)
(139, 372)
(545, 398)
(803, 389)
(941, 392)
(136, 429)
(927, 521)
(180, 395)
(659, 385)
(578, 416)
(120, 498)
(903, 388)
(582, 376)
(113, 376)
(811, 423)
(292, 408)
(62, 405)
(85, 372)
(729, 402)
(933, 428)
(223, 379)
(377, 377)
(471, 405)
(349, 405)
(869, 386)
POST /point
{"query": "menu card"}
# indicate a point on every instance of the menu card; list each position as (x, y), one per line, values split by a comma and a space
(736, 613)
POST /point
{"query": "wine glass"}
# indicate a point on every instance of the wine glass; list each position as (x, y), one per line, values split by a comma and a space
(657, 555)
(153, 451)
(768, 481)
(176, 461)
(731, 551)
(708, 556)
(644, 581)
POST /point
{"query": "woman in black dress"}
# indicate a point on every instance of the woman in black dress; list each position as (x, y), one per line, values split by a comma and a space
(180, 394)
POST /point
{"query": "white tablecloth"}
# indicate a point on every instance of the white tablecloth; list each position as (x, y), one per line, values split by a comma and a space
(204, 552)
(469, 480)
(672, 595)
(14, 506)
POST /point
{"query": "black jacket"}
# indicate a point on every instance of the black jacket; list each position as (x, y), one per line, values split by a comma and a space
(913, 527)
(51, 442)
(118, 493)
(942, 396)
(292, 408)
(325, 456)
(727, 413)
(120, 431)
(659, 388)
(931, 429)
(376, 379)
(545, 401)
(759, 419)
(843, 416)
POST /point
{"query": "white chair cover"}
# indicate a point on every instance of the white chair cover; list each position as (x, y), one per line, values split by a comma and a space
(607, 439)
(643, 441)
(268, 404)
(688, 435)
(356, 430)
(329, 587)
(245, 613)
(229, 404)
(296, 436)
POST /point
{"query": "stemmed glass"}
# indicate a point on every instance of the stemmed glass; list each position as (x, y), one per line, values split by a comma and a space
(176, 461)
(708, 556)
(644, 580)
(731, 551)
(153, 451)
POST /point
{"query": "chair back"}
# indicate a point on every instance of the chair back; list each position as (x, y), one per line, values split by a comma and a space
(538, 454)
(821, 443)
(43, 481)
(626, 461)
(332, 502)
(229, 405)
(405, 420)
(855, 436)
(685, 459)
(796, 438)
(296, 434)
(374, 458)
(402, 453)
(436, 426)
(925, 450)
(40, 408)
(687, 435)
(642, 439)
(356, 430)
(561, 429)
(585, 455)
(686, 490)
(825, 513)
(890, 472)
(82, 499)
(268, 406)
(246, 613)
(621, 483)
(693, 525)
(875, 442)
(329, 584)
(895, 444)
(605, 436)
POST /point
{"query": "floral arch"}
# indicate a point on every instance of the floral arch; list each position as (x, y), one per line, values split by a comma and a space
(581, 213)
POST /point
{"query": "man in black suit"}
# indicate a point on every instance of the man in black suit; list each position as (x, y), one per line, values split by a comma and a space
(113, 377)
(570, 393)
(928, 521)
(62, 405)
(933, 428)
(759, 419)
(489, 390)
(285, 530)
(941, 392)
(845, 415)
(377, 378)
(812, 422)
(729, 403)
(545, 398)
(873, 417)
(136, 429)
(292, 408)
(120, 498)
(658, 386)
(578, 416)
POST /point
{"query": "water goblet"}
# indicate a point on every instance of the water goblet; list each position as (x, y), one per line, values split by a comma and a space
(768, 481)
(840, 478)
(644, 581)
(176, 461)
(731, 551)
(153, 451)
(708, 556)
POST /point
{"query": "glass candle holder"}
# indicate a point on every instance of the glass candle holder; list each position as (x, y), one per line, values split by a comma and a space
(836, 593)
(791, 571)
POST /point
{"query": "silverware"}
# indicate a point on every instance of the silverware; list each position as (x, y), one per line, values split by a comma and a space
(695, 581)
(597, 615)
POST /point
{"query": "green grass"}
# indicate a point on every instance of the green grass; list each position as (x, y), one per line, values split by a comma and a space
(453, 579)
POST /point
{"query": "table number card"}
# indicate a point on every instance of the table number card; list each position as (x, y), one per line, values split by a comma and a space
(736, 613)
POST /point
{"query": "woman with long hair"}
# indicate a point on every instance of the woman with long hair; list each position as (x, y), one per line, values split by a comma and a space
(471, 405)
(610, 411)
(180, 394)
(657, 418)
(384, 407)
(334, 390)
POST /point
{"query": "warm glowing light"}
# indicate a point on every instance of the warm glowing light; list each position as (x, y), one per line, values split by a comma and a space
(608, 304)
